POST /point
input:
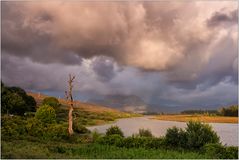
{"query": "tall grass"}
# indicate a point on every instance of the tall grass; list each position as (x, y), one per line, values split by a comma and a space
(25, 149)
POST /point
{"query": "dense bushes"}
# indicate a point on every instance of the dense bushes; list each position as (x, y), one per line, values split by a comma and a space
(114, 130)
(17, 127)
(12, 126)
(14, 100)
(217, 151)
(229, 111)
(114, 139)
(34, 127)
(195, 136)
(176, 137)
(131, 142)
(51, 101)
(199, 134)
(46, 114)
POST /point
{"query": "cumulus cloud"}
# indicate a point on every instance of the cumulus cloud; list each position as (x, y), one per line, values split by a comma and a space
(223, 18)
(144, 35)
(142, 48)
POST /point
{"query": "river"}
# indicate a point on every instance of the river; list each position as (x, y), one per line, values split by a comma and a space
(228, 132)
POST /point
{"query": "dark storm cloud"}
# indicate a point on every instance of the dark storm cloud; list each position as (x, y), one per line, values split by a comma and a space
(221, 65)
(164, 48)
(219, 18)
(105, 68)
(134, 34)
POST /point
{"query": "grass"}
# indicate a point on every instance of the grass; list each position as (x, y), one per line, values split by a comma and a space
(25, 149)
(88, 118)
(196, 117)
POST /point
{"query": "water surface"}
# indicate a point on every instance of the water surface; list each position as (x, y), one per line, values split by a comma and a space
(228, 132)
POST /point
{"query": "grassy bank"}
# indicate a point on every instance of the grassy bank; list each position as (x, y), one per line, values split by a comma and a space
(195, 117)
(27, 149)
(85, 113)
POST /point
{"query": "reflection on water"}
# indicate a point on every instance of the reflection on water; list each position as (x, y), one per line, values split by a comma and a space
(227, 132)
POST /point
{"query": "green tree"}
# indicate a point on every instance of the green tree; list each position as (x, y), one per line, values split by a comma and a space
(229, 111)
(51, 101)
(198, 134)
(29, 100)
(46, 114)
(16, 101)
(12, 103)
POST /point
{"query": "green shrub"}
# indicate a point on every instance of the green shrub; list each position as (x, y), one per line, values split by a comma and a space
(35, 127)
(12, 126)
(176, 137)
(198, 134)
(114, 139)
(46, 114)
(132, 142)
(142, 142)
(96, 135)
(145, 133)
(114, 130)
(55, 132)
(214, 150)
(51, 101)
(218, 151)
(86, 138)
(231, 152)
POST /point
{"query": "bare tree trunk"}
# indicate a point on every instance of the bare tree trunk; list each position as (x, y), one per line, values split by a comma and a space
(70, 129)
(70, 97)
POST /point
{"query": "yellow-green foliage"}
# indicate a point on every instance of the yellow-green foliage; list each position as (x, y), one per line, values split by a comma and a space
(46, 114)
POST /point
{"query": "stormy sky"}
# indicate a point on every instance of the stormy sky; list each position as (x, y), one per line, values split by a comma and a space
(167, 52)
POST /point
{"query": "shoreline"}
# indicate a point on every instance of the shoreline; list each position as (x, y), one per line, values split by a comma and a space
(202, 118)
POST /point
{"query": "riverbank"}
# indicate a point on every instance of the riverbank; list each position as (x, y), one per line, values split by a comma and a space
(227, 131)
(202, 118)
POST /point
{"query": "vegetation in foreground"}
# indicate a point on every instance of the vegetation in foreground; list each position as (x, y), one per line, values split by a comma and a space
(44, 135)
(34, 138)
(28, 149)
(197, 117)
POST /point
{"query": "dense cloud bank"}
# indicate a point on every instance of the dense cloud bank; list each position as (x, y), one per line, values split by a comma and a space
(162, 51)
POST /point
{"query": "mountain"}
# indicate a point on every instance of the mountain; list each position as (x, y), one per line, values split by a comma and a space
(128, 103)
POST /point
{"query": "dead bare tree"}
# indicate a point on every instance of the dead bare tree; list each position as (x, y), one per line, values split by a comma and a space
(70, 101)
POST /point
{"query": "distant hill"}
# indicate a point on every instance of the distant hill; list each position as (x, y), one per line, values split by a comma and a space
(122, 103)
(77, 105)
(129, 103)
